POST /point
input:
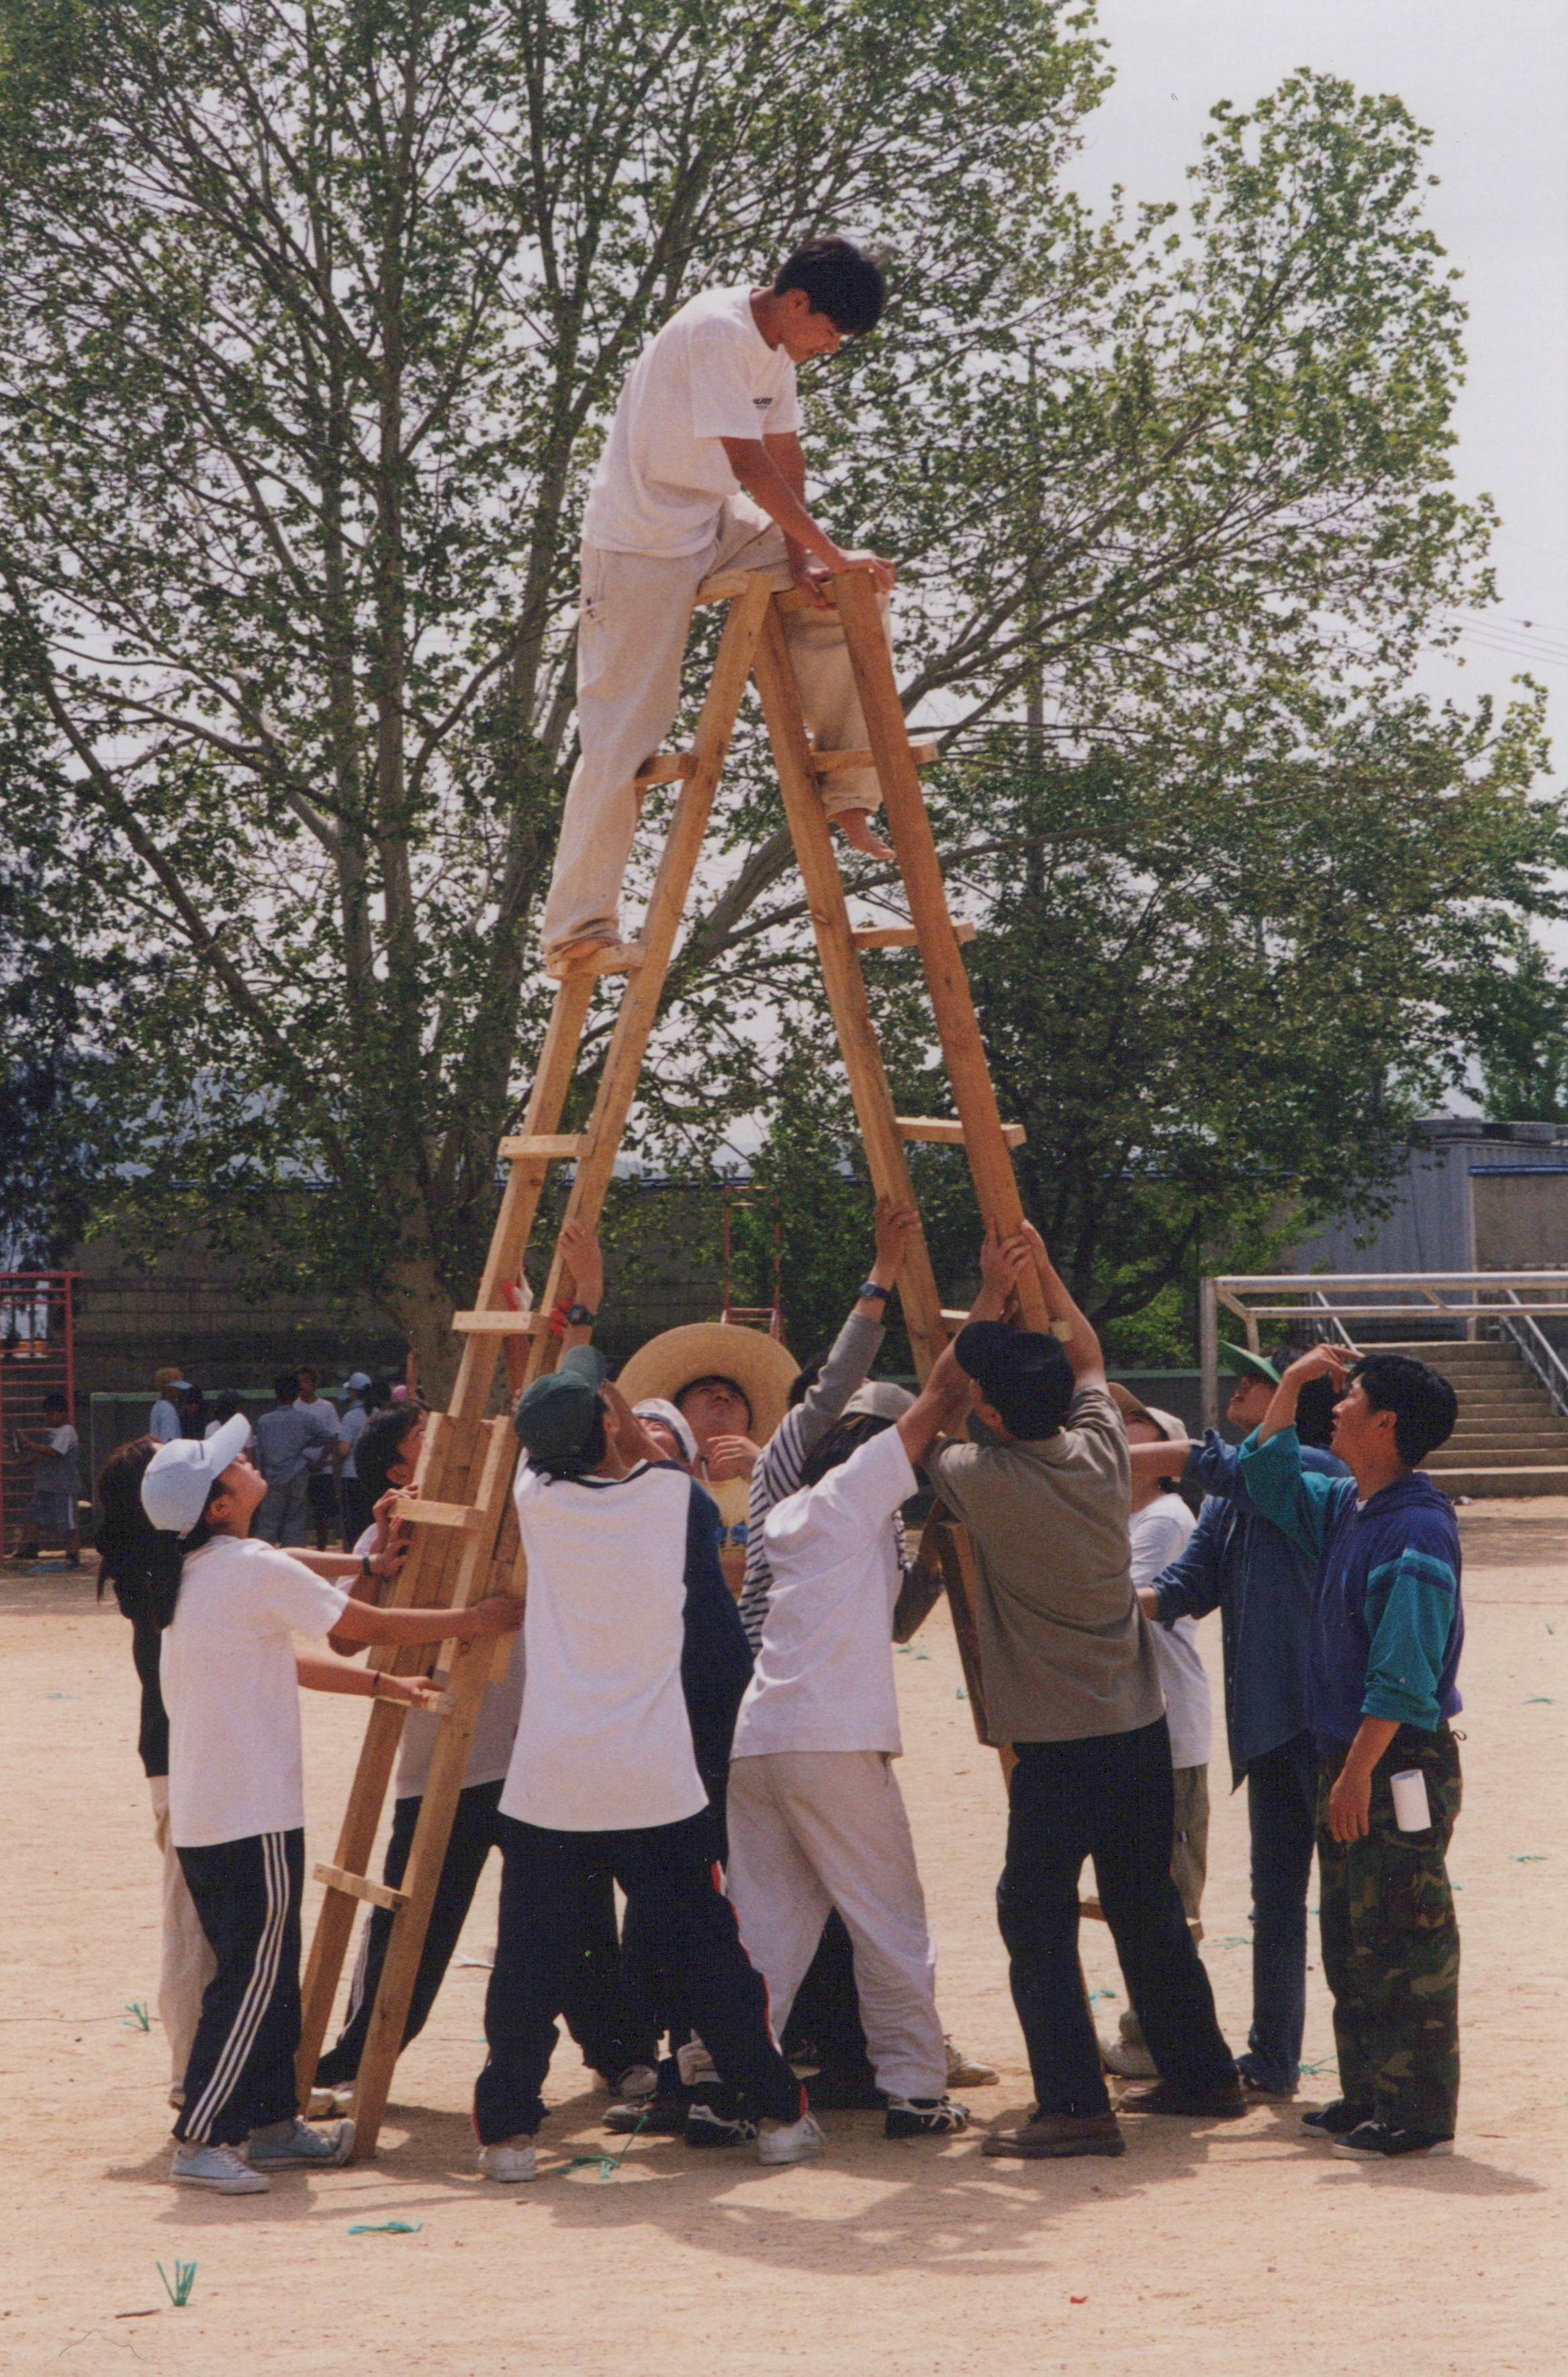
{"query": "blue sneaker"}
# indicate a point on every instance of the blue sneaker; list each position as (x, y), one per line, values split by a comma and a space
(294, 2145)
(222, 2168)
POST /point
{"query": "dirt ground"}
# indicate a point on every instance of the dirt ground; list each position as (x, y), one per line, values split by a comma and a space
(1231, 2247)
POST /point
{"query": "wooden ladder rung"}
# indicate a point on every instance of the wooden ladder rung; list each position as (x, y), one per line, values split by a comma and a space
(725, 587)
(359, 1885)
(556, 1147)
(950, 1134)
(901, 937)
(443, 1514)
(832, 763)
(496, 1324)
(668, 767)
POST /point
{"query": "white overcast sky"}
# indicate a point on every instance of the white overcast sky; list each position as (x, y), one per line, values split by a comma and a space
(1489, 79)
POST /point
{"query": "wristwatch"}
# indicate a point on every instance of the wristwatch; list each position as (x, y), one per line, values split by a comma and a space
(868, 1287)
(579, 1317)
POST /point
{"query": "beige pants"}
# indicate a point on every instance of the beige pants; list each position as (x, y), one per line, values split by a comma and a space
(187, 1962)
(814, 1829)
(630, 642)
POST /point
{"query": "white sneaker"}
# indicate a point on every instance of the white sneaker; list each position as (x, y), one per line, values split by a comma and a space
(962, 2072)
(294, 2145)
(789, 2141)
(222, 2168)
(1127, 2061)
(325, 2101)
(510, 2161)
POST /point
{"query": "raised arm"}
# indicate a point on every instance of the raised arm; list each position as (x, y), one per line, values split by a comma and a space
(755, 463)
(1079, 1341)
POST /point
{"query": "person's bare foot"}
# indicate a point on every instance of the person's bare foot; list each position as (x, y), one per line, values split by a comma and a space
(599, 954)
(855, 827)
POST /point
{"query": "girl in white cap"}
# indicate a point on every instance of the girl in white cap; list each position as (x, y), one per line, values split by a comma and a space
(230, 1607)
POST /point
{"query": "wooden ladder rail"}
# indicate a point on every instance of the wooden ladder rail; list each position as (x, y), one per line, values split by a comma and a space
(464, 1451)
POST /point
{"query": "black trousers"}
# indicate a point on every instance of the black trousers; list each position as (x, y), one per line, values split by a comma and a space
(241, 2073)
(825, 2016)
(1107, 1799)
(1282, 1807)
(667, 1872)
(595, 2007)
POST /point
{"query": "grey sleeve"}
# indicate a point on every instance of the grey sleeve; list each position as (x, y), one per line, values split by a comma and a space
(854, 1349)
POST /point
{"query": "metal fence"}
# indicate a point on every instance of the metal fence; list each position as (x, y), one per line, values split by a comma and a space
(1463, 1304)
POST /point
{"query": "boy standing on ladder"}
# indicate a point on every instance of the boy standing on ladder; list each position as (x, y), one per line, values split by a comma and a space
(703, 472)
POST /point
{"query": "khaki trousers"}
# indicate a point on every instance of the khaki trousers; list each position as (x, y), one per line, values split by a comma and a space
(814, 1829)
(630, 642)
(187, 1962)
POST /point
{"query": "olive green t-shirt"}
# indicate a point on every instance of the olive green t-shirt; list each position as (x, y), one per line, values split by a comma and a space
(1064, 1649)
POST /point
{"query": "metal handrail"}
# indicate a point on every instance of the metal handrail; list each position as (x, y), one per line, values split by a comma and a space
(1540, 1353)
(1466, 1297)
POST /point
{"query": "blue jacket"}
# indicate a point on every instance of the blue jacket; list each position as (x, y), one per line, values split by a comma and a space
(1388, 1624)
(1241, 1564)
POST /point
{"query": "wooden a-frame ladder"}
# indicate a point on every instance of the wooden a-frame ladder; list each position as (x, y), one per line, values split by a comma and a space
(464, 1532)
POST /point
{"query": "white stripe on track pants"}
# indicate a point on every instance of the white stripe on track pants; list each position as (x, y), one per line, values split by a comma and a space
(241, 2073)
(814, 1829)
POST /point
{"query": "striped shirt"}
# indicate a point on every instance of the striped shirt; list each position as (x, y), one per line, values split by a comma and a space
(796, 1437)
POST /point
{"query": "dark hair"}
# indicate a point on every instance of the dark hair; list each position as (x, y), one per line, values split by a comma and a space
(1425, 1406)
(143, 1563)
(285, 1386)
(845, 1436)
(1314, 1412)
(55, 1401)
(227, 1406)
(1022, 1374)
(588, 1455)
(840, 281)
(379, 1447)
(710, 1379)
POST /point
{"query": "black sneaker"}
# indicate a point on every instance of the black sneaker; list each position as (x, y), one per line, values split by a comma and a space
(711, 2123)
(1376, 2142)
(1337, 2119)
(844, 2092)
(663, 2116)
(925, 2117)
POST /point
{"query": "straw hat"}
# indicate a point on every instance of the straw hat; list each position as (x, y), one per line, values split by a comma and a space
(759, 1365)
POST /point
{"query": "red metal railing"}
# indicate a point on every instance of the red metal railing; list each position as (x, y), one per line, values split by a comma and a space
(37, 1359)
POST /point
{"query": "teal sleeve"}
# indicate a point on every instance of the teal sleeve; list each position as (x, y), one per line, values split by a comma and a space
(1410, 1608)
(1298, 1501)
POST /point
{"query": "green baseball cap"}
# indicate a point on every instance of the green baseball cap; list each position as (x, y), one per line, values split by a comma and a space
(555, 1416)
(1246, 1364)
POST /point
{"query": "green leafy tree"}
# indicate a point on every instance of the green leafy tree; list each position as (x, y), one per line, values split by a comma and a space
(310, 328)
(1514, 1017)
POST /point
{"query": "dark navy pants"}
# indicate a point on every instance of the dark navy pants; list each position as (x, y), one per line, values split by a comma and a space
(241, 2073)
(1282, 1797)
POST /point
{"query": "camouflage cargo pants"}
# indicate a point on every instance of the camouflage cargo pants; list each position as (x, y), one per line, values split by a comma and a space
(1390, 1944)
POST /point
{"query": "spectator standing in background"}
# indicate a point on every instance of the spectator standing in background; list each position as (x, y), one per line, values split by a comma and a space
(52, 1509)
(320, 1472)
(286, 1437)
(354, 1502)
(191, 1405)
(163, 1424)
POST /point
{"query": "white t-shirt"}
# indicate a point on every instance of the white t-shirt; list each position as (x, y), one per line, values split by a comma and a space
(57, 1472)
(1160, 1534)
(604, 1742)
(490, 1752)
(824, 1675)
(164, 1424)
(710, 374)
(214, 1425)
(226, 1665)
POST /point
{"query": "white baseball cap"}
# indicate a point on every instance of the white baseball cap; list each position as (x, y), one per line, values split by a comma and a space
(181, 1475)
(656, 1407)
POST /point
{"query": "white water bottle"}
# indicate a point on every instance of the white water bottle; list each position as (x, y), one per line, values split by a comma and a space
(1412, 1811)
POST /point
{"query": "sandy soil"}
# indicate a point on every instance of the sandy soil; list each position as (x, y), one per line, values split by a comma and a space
(1236, 2248)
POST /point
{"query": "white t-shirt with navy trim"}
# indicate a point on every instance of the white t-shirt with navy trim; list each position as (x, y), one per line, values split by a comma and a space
(603, 1743)
(664, 476)
(226, 1666)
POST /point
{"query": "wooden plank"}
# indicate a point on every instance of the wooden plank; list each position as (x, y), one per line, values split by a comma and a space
(885, 1157)
(423, 1513)
(359, 1885)
(640, 1008)
(497, 1325)
(668, 767)
(830, 763)
(901, 937)
(552, 1146)
(725, 587)
(952, 1004)
(939, 1133)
